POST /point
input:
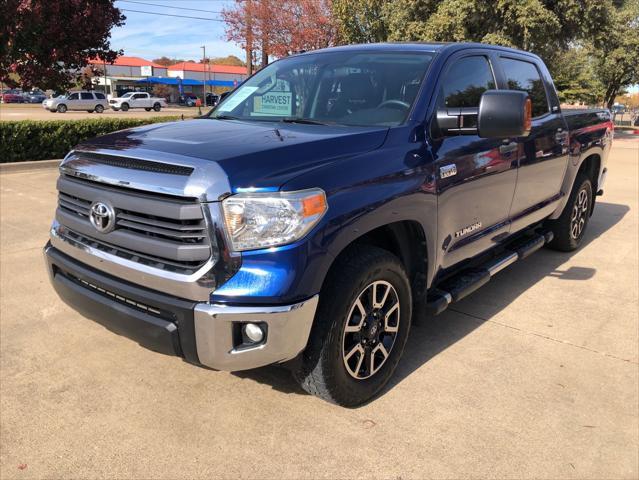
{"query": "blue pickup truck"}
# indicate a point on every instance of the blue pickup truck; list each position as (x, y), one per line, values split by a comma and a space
(305, 218)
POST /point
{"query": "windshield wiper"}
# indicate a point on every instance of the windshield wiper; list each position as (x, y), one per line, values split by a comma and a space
(225, 117)
(306, 121)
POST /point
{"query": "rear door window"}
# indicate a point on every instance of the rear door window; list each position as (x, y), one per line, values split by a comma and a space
(522, 75)
(465, 82)
(73, 96)
(86, 96)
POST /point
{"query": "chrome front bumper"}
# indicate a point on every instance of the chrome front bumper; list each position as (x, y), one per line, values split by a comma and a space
(200, 332)
(287, 331)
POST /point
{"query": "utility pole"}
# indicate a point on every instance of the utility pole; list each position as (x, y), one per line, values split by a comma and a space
(204, 63)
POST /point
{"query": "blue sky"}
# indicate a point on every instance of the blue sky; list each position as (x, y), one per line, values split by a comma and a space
(152, 36)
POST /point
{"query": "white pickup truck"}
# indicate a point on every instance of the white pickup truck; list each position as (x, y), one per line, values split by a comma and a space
(137, 100)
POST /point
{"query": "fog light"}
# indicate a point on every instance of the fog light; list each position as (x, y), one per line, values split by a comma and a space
(253, 332)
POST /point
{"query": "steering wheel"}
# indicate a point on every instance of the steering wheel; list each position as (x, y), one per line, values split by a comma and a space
(394, 104)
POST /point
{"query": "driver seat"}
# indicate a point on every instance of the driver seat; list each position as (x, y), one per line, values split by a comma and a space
(356, 93)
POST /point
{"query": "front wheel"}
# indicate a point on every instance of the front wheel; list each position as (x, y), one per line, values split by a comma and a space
(360, 328)
(569, 228)
(124, 107)
(62, 108)
(157, 107)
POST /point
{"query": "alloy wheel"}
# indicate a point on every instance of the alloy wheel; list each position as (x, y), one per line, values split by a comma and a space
(371, 329)
(579, 214)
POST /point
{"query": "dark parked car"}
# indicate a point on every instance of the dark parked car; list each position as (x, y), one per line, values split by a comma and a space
(12, 96)
(212, 99)
(34, 96)
(303, 220)
(188, 99)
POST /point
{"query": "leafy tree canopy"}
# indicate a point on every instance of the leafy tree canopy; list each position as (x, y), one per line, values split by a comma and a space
(591, 46)
(228, 60)
(48, 43)
(167, 62)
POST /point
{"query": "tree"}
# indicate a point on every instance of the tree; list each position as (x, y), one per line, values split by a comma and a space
(167, 62)
(616, 53)
(229, 60)
(544, 27)
(87, 74)
(298, 25)
(360, 21)
(575, 77)
(48, 43)
(162, 91)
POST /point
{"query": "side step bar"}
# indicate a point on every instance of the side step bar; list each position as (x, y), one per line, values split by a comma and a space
(465, 283)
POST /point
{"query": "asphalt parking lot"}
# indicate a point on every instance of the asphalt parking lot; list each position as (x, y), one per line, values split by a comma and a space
(26, 111)
(536, 375)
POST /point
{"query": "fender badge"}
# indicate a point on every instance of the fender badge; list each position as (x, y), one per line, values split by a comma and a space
(468, 229)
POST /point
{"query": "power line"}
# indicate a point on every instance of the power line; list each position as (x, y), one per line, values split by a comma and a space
(168, 6)
(173, 15)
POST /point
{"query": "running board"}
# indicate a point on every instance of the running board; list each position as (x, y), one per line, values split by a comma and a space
(466, 282)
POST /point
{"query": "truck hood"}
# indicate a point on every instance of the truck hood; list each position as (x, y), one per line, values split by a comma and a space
(252, 154)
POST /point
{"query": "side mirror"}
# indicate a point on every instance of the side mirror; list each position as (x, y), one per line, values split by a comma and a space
(501, 114)
(504, 114)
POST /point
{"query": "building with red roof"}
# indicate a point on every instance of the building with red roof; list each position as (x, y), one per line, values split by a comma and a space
(128, 73)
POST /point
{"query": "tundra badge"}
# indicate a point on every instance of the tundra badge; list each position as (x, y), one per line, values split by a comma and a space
(468, 229)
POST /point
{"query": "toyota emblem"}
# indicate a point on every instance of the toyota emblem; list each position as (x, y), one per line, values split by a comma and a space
(102, 217)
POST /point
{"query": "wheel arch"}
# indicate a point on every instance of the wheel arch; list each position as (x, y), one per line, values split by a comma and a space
(406, 239)
(589, 162)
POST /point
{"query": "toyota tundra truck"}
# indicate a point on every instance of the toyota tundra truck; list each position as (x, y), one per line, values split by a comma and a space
(333, 193)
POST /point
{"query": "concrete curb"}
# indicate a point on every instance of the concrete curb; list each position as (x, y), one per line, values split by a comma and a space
(13, 167)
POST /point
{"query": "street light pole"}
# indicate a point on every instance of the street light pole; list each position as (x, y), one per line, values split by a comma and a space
(203, 47)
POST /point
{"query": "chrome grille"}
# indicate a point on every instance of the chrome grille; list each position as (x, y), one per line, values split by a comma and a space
(159, 230)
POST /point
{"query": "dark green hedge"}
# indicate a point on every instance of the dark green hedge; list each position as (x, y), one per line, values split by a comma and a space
(43, 140)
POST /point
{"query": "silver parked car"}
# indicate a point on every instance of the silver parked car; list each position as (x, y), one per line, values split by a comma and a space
(89, 101)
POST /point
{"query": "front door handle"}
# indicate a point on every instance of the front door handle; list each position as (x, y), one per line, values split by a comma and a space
(508, 148)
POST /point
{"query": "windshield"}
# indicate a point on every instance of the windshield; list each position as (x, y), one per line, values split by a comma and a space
(346, 88)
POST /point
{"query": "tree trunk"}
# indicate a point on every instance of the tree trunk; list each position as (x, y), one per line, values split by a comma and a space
(264, 54)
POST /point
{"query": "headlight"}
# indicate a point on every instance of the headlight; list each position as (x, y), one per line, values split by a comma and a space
(260, 220)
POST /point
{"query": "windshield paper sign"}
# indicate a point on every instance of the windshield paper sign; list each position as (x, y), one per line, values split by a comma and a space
(273, 103)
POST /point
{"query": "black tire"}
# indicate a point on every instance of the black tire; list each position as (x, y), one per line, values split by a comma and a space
(322, 370)
(570, 227)
(62, 108)
(99, 109)
(89, 111)
(147, 109)
(124, 107)
(157, 107)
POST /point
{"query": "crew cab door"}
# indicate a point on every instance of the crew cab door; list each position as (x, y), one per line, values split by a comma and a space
(475, 176)
(138, 100)
(543, 154)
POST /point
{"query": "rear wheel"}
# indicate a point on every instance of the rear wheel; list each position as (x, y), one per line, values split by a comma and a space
(99, 109)
(570, 227)
(124, 107)
(360, 328)
(157, 107)
(62, 108)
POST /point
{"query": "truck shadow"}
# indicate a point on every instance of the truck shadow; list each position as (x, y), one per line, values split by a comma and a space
(432, 335)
